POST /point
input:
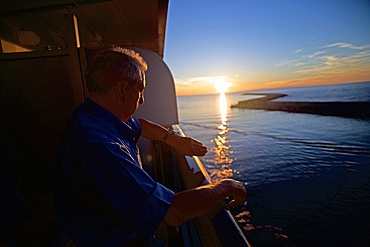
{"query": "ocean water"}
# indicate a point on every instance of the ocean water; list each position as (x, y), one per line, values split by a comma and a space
(308, 176)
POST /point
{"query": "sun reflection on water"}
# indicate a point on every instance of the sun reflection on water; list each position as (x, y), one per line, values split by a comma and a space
(222, 146)
(223, 109)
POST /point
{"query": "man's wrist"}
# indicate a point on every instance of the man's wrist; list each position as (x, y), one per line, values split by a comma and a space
(168, 134)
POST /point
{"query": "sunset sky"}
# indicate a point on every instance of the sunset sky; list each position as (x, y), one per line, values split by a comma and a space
(266, 43)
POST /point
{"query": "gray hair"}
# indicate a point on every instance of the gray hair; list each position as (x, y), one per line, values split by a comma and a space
(112, 66)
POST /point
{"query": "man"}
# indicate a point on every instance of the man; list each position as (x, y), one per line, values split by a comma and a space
(102, 196)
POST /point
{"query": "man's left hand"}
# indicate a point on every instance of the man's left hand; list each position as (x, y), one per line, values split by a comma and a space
(187, 145)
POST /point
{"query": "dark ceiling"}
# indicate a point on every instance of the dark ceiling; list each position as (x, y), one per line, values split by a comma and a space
(139, 23)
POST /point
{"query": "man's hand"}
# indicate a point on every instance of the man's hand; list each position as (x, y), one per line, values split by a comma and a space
(187, 145)
(195, 202)
(238, 191)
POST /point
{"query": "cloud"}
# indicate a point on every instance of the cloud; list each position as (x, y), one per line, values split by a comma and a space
(200, 81)
(345, 45)
(191, 81)
(289, 62)
(324, 59)
(298, 51)
(362, 57)
(331, 60)
(300, 61)
(202, 84)
(315, 54)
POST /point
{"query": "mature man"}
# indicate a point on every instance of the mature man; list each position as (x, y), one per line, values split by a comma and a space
(102, 196)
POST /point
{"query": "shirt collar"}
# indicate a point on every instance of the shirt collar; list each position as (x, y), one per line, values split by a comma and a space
(109, 118)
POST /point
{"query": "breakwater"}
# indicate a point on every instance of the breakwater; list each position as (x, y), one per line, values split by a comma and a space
(346, 109)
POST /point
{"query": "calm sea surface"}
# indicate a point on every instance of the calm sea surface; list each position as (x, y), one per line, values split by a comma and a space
(308, 175)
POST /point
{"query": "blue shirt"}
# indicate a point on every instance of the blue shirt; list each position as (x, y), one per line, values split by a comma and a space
(102, 196)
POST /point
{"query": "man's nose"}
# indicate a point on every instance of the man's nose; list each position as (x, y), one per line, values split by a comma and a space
(141, 100)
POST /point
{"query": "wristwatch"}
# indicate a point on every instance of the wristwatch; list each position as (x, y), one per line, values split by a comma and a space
(169, 132)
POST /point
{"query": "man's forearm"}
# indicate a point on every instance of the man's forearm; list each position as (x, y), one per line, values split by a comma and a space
(152, 130)
(193, 203)
(184, 145)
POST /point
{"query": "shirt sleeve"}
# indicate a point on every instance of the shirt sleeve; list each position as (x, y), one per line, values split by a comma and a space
(140, 200)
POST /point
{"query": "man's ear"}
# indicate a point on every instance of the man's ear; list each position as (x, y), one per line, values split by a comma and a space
(121, 91)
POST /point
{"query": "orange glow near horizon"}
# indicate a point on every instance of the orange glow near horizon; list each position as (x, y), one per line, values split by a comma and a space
(350, 69)
(264, 85)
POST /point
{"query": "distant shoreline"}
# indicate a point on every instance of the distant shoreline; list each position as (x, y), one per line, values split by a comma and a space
(343, 109)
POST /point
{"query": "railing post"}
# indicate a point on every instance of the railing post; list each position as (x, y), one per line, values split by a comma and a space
(75, 63)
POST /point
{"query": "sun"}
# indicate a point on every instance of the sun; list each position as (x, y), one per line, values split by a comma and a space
(221, 84)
